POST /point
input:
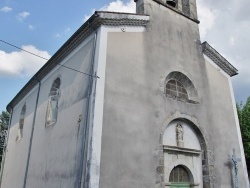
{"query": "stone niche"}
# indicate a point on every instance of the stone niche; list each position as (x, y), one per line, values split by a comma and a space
(181, 148)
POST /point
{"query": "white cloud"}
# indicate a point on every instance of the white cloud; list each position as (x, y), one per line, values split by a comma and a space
(58, 35)
(23, 15)
(6, 9)
(65, 32)
(116, 6)
(86, 17)
(226, 25)
(119, 6)
(232, 40)
(31, 27)
(20, 63)
(206, 17)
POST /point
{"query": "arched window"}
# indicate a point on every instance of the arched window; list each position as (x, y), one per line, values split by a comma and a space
(179, 175)
(52, 107)
(21, 123)
(179, 86)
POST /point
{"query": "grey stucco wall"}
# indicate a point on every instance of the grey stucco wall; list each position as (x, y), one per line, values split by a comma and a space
(56, 150)
(223, 136)
(136, 108)
(17, 151)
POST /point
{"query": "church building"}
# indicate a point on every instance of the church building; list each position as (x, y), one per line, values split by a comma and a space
(129, 101)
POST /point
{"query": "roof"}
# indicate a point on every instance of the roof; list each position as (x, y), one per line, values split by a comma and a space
(97, 19)
(219, 59)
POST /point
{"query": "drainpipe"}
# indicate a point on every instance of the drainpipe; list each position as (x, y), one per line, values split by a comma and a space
(6, 149)
(84, 151)
(31, 136)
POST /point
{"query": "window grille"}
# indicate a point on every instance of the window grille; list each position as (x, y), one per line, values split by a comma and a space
(179, 175)
(181, 88)
(176, 89)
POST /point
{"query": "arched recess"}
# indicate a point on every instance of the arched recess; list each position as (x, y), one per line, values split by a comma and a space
(179, 86)
(203, 153)
(52, 106)
(21, 123)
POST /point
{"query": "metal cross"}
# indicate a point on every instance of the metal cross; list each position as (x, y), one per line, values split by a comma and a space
(235, 162)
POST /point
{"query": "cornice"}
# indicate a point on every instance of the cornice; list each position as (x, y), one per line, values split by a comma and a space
(219, 59)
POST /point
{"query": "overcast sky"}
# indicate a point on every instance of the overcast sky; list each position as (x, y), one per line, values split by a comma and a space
(43, 26)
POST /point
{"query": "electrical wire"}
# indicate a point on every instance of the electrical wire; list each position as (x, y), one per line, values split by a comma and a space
(47, 59)
(23, 50)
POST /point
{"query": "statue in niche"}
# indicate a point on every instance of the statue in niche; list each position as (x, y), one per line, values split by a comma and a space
(179, 135)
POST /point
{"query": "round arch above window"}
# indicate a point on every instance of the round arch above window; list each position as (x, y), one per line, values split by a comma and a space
(179, 174)
(180, 87)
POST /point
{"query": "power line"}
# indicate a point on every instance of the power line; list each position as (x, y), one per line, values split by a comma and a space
(47, 59)
(23, 50)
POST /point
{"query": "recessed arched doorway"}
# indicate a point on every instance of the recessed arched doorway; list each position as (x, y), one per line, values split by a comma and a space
(183, 155)
(180, 178)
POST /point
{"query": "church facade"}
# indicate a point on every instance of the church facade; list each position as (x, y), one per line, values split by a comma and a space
(129, 101)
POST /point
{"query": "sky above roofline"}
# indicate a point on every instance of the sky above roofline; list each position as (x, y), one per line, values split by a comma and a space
(42, 27)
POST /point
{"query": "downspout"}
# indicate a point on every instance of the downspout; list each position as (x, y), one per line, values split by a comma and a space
(31, 136)
(5, 149)
(84, 151)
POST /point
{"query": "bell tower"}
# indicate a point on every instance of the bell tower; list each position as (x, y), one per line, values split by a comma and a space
(186, 8)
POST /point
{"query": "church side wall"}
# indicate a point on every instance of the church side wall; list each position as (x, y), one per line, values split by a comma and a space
(56, 150)
(136, 107)
(17, 151)
(225, 133)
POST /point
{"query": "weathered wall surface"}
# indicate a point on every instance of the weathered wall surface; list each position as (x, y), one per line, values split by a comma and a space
(224, 135)
(56, 150)
(17, 151)
(136, 108)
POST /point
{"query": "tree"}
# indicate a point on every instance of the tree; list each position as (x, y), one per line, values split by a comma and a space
(244, 120)
(4, 121)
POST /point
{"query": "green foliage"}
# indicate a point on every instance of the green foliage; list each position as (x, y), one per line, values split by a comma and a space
(4, 120)
(244, 120)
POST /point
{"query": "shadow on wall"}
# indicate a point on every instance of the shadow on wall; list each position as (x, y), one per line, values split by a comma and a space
(229, 164)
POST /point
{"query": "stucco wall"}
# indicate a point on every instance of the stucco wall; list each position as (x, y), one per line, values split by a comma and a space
(224, 134)
(56, 150)
(136, 108)
(17, 151)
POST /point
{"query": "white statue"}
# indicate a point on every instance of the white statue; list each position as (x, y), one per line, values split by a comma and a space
(179, 135)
